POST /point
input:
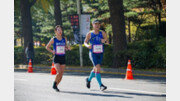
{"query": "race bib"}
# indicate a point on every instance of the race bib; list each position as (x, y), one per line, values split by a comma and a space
(97, 48)
(60, 49)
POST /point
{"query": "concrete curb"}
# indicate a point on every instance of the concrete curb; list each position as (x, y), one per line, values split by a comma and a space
(103, 70)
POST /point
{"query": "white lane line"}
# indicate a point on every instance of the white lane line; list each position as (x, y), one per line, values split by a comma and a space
(139, 91)
(21, 79)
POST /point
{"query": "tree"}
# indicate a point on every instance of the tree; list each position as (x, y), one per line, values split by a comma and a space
(141, 12)
(57, 12)
(42, 23)
(68, 7)
(17, 22)
(118, 28)
(25, 6)
(129, 14)
(156, 5)
(99, 9)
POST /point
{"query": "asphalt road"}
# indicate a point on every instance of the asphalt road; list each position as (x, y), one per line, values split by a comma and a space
(38, 87)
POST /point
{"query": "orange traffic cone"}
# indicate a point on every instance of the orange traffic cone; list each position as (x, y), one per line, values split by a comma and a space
(30, 68)
(129, 75)
(53, 70)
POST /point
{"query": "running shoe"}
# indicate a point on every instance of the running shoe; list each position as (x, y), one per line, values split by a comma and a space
(88, 83)
(55, 87)
(102, 87)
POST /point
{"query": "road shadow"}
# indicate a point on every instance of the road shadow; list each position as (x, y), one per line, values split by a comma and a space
(133, 93)
(94, 94)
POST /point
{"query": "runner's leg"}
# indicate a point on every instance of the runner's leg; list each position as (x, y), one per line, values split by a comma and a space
(57, 66)
(98, 75)
(61, 73)
(92, 74)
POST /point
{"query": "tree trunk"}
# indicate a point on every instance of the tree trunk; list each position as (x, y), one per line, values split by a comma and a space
(15, 42)
(25, 6)
(22, 41)
(129, 30)
(118, 28)
(159, 16)
(137, 34)
(110, 38)
(157, 26)
(57, 12)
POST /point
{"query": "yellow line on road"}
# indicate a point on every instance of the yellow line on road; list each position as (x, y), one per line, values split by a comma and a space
(104, 72)
(120, 73)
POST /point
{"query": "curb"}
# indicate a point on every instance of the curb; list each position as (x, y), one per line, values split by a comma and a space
(84, 70)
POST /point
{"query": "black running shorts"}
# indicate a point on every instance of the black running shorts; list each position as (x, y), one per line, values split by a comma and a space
(60, 59)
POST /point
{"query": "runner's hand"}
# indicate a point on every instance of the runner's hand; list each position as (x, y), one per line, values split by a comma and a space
(90, 46)
(103, 40)
(53, 52)
(68, 48)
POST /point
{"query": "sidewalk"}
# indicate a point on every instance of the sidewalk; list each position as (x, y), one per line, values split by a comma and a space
(103, 70)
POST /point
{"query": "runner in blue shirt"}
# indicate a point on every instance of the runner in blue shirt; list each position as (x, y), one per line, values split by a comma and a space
(59, 48)
(96, 38)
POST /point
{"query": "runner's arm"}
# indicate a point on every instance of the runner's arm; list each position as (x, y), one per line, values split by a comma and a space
(49, 45)
(67, 45)
(105, 40)
(87, 40)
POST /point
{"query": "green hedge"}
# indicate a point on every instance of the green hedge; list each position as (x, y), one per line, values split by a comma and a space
(144, 54)
(148, 54)
(18, 55)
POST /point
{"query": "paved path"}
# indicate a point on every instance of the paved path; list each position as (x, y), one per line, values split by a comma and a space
(38, 87)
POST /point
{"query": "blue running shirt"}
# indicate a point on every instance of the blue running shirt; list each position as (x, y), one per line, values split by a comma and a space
(95, 41)
(59, 46)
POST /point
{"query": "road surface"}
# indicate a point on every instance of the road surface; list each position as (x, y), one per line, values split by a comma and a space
(38, 87)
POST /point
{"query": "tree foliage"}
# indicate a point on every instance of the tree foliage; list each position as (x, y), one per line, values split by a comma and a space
(144, 19)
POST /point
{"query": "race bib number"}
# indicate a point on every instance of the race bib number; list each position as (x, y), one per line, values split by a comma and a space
(97, 48)
(60, 49)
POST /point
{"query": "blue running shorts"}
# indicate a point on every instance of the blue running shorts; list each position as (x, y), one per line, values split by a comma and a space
(96, 58)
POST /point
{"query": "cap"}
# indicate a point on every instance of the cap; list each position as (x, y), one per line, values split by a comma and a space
(95, 21)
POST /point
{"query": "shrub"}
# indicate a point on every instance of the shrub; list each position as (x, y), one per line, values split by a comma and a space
(144, 54)
(18, 55)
